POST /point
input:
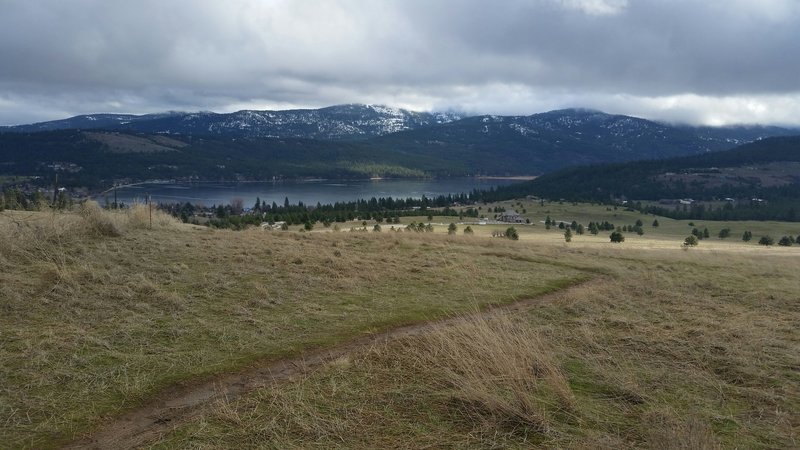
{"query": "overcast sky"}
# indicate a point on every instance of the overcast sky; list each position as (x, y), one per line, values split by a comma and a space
(693, 61)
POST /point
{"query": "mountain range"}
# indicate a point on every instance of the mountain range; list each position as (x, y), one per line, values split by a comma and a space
(347, 141)
(352, 121)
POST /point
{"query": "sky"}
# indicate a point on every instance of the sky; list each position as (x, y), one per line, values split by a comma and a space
(713, 62)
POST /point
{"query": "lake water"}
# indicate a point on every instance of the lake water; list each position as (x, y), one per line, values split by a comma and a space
(308, 192)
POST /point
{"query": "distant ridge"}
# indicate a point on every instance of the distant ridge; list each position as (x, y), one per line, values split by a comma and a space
(358, 121)
(352, 121)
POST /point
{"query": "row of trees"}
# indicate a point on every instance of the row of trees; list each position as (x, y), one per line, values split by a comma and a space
(381, 210)
(35, 201)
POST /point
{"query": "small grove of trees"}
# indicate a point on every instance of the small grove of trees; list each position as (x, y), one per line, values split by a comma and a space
(617, 237)
(14, 198)
(419, 227)
(786, 241)
(766, 240)
(596, 227)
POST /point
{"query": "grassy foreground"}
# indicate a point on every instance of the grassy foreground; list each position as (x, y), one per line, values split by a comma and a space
(678, 349)
(664, 348)
(100, 313)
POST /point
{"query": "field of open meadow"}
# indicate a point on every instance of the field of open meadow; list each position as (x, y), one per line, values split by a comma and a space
(642, 343)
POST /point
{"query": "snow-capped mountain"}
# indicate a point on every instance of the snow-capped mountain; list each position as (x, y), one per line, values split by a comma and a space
(352, 121)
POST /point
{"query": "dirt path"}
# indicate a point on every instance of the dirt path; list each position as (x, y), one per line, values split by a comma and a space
(177, 405)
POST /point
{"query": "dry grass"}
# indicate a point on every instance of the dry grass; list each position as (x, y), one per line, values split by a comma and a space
(678, 349)
(672, 349)
(498, 373)
(98, 313)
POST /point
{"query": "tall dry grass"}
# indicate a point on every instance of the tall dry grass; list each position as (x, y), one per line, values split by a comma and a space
(42, 233)
(497, 372)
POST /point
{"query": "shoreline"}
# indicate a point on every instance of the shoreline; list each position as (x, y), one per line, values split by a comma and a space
(517, 177)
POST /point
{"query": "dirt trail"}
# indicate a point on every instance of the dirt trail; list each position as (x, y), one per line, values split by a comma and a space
(148, 423)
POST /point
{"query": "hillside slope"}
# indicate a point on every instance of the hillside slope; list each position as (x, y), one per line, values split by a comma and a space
(767, 170)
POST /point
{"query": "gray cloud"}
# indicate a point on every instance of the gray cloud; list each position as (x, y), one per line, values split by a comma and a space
(678, 60)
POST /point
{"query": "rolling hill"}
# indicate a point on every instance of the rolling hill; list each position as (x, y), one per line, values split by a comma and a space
(761, 179)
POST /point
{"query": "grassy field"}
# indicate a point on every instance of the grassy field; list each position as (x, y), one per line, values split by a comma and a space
(99, 313)
(676, 349)
(665, 347)
(669, 233)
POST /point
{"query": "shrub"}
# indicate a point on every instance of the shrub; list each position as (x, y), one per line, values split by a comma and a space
(785, 241)
(617, 237)
(691, 241)
(452, 228)
(97, 221)
(511, 233)
(468, 230)
(766, 240)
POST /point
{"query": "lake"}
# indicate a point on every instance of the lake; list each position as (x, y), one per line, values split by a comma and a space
(309, 192)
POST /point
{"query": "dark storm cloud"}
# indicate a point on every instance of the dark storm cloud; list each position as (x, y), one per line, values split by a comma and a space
(707, 61)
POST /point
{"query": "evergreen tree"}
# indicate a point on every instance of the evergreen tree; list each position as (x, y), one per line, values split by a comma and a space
(452, 228)
(568, 235)
(511, 233)
(655, 223)
(617, 236)
(746, 236)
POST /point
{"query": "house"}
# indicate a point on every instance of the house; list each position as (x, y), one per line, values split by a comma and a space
(511, 217)
(273, 226)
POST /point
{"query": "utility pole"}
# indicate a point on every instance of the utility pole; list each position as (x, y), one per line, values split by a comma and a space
(55, 191)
